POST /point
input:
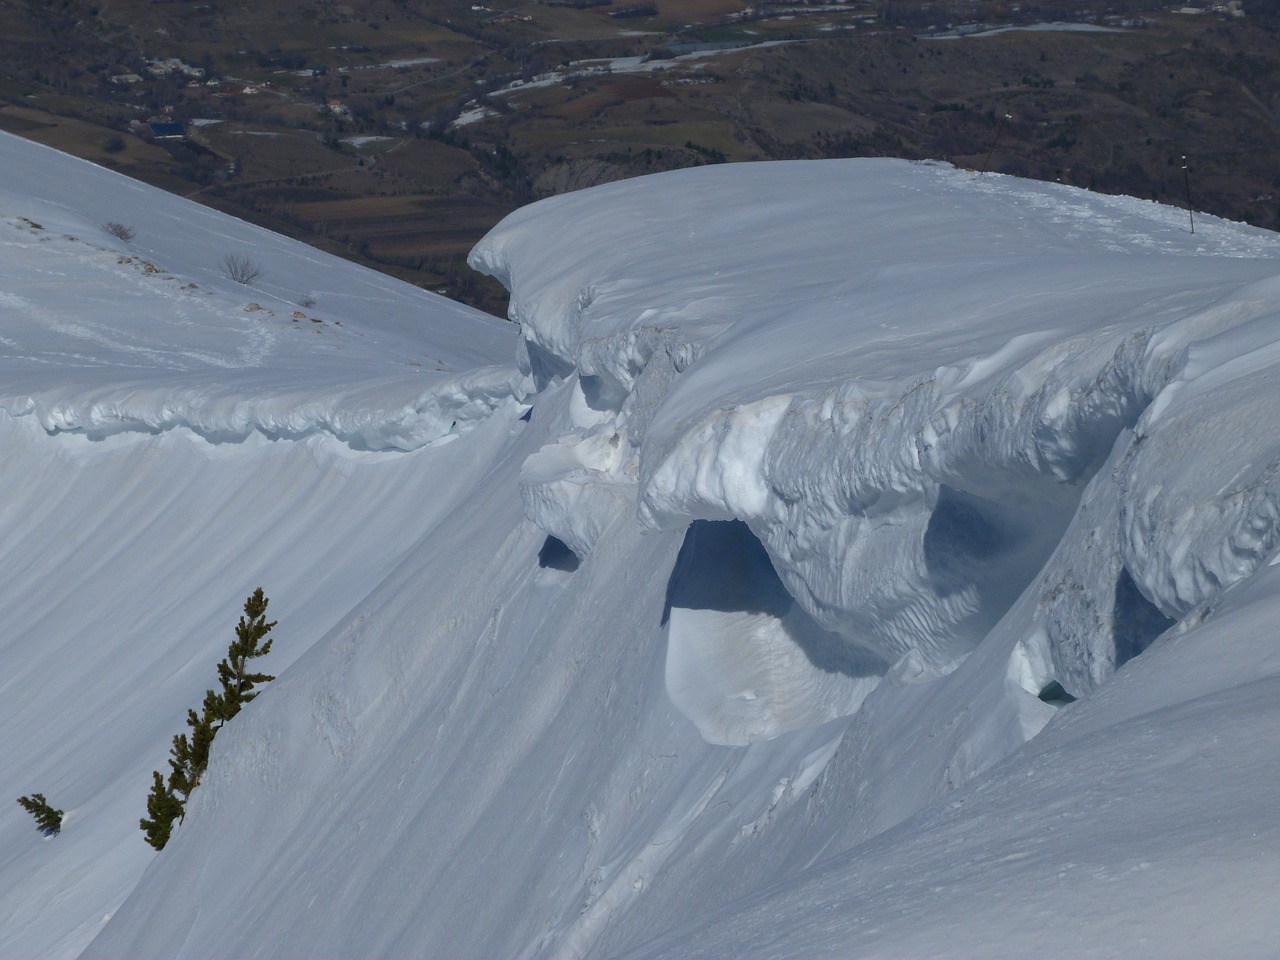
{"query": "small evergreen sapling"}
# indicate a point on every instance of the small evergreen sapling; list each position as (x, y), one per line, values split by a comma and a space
(164, 808)
(48, 820)
(189, 755)
(233, 671)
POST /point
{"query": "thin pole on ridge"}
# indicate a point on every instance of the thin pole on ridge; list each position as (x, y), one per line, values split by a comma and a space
(1186, 177)
(995, 140)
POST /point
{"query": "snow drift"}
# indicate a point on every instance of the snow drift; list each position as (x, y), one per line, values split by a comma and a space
(770, 602)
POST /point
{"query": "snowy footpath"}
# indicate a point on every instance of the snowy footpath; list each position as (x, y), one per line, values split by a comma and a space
(836, 559)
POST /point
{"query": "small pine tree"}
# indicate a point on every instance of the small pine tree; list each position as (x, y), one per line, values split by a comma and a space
(164, 808)
(189, 755)
(48, 820)
(233, 671)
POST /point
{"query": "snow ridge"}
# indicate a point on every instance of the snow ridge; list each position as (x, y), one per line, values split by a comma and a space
(101, 335)
(355, 417)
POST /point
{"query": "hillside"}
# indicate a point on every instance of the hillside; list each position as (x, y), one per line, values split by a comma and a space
(398, 134)
(845, 558)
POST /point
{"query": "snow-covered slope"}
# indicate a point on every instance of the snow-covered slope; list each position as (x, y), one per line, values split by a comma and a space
(102, 334)
(167, 450)
(753, 635)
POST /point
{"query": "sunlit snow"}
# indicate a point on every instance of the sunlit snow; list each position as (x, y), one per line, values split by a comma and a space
(842, 558)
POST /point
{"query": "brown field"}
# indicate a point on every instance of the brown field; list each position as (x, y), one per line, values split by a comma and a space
(583, 25)
(404, 227)
(87, 140)
(695, 10)
(16, 120)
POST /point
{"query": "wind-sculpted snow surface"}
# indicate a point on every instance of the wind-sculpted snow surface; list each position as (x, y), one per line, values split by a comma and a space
(906, 416)
(883, 566)
(171, 441)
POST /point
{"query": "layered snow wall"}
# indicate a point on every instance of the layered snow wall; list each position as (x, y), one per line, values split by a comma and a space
(907, 418)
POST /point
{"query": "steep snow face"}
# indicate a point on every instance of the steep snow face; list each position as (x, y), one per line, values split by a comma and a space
(172, 440)
(1138, 824)
(125, 564)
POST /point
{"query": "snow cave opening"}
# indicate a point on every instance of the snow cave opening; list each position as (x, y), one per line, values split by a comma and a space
(601, 394)
(744, 661)
(1055, 694)
(544, 366)
(1136, 621)
(556, 555)
(961, 533)
(984, 551)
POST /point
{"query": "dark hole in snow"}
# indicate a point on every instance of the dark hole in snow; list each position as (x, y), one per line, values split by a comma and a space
(1137, 621)
(1055, 694)
(960, 534)
(601, 394)
(556, 555)
(527, 415)
(984, 549)
(545, 366)
(722, 566)
(960, 531)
